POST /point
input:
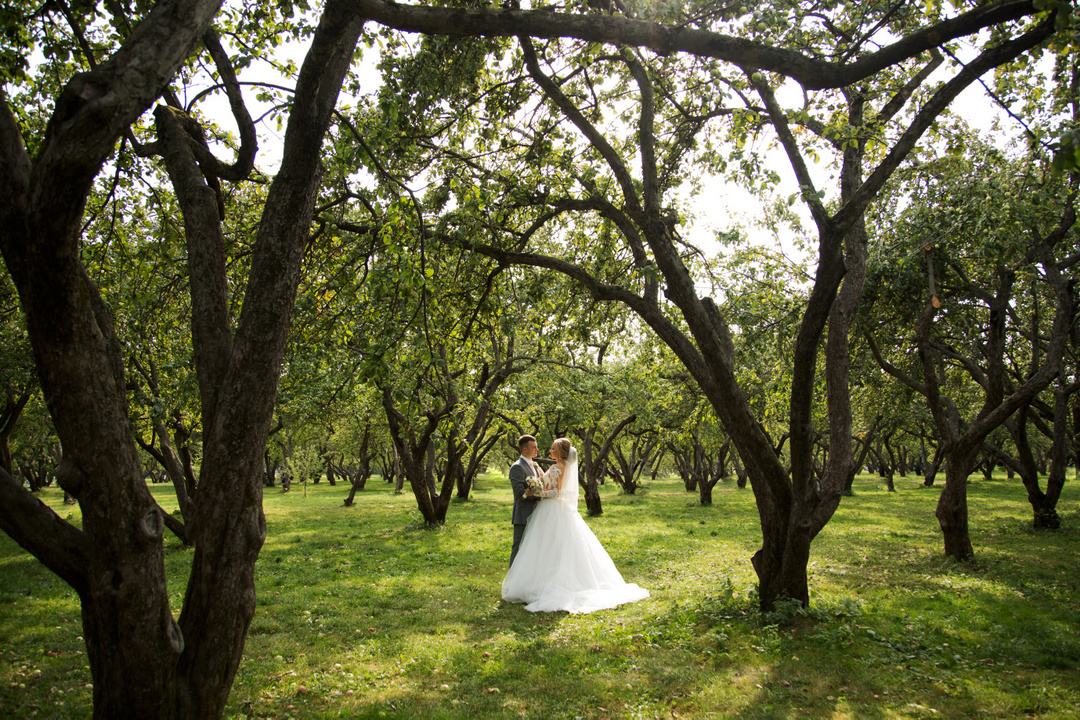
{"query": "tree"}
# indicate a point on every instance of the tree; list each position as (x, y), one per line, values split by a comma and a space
(143, 662)
(700, 450)
(632, 457)
(974, 232)
(440, 364)
(672, 107)
(1048, 422)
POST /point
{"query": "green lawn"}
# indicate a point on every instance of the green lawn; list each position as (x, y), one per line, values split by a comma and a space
(364, 613)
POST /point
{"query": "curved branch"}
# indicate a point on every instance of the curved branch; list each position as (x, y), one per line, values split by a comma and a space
(648, 311)
(199, 203)
(891, 369)
(574, 115)
(810, 72)
(896, 103)
(646, 136)
(791, 147)
(95, 107)
(249, 141)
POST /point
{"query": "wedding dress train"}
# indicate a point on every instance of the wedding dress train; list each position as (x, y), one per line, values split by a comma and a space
(561, 564)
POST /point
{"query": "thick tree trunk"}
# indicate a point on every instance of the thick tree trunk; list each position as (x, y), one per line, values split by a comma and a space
(143, 663)
(241, 378)
(705, 489)
(952, 513)
(594, 507)
(132, 641)
(416, 472)
(594, 462)
(1044, 513)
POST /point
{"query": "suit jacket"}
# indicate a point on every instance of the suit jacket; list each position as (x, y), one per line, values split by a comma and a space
(523, 506)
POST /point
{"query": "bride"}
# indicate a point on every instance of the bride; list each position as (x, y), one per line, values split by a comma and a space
(561, 565)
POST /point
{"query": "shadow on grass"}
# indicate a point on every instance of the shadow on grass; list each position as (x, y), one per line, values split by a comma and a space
(363, 614)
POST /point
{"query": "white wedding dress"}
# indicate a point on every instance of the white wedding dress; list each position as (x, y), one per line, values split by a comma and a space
(561, 565)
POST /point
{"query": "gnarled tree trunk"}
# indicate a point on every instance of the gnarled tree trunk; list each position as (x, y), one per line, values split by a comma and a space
(143, 663)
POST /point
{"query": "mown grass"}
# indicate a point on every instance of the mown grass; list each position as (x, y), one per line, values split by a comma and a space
(363, 613)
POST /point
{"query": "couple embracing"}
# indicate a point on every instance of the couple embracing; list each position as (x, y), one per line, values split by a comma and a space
(556, 562)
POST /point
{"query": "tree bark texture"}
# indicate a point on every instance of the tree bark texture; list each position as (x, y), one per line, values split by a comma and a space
(143, 663)
(220, 601)
(131, 638)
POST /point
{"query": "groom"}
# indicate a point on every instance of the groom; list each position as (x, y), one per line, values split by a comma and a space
(523, 505)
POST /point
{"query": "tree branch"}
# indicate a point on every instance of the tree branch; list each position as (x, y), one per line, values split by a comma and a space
(810, 72)
(58, 544)
(249, 141)
(986, 61)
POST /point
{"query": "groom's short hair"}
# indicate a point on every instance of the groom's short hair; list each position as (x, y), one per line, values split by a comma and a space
(525, 440)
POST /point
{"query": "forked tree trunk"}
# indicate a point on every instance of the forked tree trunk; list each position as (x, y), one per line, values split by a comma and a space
(705, 490)
(961, 445)
(238, 381)
(143, 663)
(414, 453)
(1044, 504)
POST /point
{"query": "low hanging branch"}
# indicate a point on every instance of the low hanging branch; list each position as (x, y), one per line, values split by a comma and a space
(810, 72)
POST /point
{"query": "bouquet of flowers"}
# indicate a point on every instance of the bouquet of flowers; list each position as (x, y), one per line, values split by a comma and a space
(535, 483)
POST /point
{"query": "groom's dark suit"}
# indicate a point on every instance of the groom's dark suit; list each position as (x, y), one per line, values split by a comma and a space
(523, 506)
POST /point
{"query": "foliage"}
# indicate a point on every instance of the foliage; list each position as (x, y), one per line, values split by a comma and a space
(958, 226)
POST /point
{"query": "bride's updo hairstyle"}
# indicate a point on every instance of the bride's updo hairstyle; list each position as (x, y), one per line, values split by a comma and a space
(564, 447)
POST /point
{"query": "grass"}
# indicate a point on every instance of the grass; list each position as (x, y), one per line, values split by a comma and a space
(364, 613)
